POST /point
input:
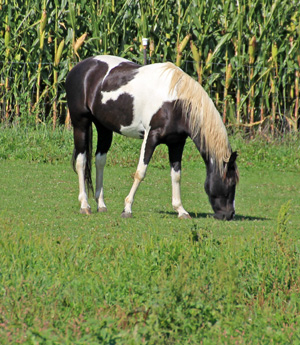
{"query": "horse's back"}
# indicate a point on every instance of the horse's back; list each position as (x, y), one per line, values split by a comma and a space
(121, 95)
(87, 77)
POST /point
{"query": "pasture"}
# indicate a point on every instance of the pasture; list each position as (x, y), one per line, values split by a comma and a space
(68, 278)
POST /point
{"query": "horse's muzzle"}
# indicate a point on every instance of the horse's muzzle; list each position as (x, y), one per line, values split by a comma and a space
(224, 215)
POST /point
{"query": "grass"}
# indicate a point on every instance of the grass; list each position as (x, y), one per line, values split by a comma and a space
(71, 279)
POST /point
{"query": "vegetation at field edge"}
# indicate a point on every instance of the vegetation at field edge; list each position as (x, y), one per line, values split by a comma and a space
(245, 53)
(41, 144)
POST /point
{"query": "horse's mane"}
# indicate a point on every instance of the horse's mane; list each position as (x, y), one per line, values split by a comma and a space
(204, 118)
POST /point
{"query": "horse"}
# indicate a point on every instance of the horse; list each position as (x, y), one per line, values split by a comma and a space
(160, 104)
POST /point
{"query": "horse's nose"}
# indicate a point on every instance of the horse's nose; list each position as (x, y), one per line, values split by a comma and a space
(230, 215)
(224, 215)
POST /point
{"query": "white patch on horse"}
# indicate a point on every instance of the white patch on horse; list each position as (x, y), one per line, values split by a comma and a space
(80, 168)
(176, 195)
(133, 131)
(112, 61)
(111, 95)
(138, 177)
(148, 98)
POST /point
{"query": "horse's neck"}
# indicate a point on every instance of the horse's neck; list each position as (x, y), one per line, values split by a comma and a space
(201, 148)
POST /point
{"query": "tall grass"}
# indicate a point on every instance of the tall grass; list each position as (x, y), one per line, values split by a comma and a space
(245, 53)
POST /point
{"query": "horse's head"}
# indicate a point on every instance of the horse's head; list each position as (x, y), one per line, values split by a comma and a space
(221, 189)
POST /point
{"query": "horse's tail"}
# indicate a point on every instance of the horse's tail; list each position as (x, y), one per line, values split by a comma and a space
(89, 153)
(88, 164)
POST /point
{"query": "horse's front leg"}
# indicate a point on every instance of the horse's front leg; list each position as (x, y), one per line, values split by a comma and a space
(175, 156)
(147, 150)
(176, 194)
(138, 178)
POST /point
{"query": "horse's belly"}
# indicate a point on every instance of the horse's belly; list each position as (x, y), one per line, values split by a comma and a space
(133, 131)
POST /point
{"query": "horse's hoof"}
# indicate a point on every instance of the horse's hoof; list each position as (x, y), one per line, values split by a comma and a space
(86, 210)
(185, 216)
(101, 209)
(126, 214)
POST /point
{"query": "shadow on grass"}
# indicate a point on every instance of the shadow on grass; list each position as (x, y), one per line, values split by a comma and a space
(192, 214)
(237, 218)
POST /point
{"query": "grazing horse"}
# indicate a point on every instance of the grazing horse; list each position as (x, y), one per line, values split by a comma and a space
(160, 104)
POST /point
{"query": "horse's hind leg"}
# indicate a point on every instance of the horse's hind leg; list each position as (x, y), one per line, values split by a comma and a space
(85, 208)
(104, 142)
(82, 154)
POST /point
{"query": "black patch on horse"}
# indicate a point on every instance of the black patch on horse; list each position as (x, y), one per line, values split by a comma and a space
(95, 78)
(119, 76)
(169, 124)
(115, 113)
(82, 84)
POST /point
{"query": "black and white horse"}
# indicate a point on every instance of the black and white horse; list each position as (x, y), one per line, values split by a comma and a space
(160, 104)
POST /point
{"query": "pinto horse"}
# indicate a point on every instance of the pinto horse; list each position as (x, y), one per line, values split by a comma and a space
(160, 104)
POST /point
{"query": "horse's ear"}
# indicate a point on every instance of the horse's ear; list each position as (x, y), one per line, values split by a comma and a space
(232, 158)
(230, 164)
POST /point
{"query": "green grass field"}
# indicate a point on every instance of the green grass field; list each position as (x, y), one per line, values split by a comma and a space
(66, 278)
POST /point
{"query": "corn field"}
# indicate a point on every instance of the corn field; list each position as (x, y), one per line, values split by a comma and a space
(246, 54)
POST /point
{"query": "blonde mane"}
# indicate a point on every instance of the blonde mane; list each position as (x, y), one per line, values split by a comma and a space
(204, 118)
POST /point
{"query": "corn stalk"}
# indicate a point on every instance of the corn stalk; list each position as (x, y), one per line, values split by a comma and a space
(297, 91)
(216, 35)
(227, 85)
(273, 79)
(251, 51)
(58, 54)
(42, 34)
(78, 43)
(180, 48)
(7, 38)
(297, 74)
(197, 60)
(237, 42)
(181, 20)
